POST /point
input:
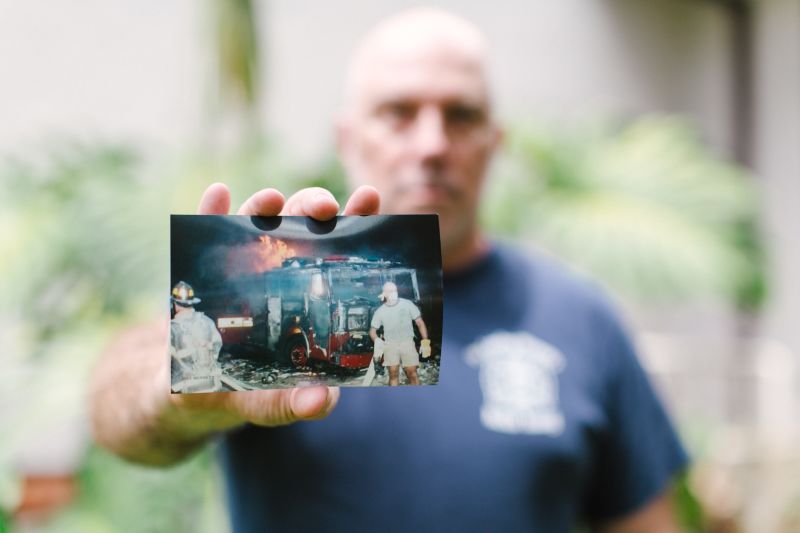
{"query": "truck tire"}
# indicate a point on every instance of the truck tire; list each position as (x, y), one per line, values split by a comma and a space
(295, 352)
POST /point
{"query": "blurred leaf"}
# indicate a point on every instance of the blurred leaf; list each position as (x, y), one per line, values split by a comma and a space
(646, 207)
(82, 241)
(688, 507)
(85, 252)
(237, 50)
(118, 496)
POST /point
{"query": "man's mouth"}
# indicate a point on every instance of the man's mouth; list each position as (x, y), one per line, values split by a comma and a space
(429, 194)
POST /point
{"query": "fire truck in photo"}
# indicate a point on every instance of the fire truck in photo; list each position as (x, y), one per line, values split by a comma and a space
(310, 309)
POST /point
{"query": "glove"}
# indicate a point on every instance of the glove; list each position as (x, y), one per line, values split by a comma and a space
(377, 352)
(425, 348)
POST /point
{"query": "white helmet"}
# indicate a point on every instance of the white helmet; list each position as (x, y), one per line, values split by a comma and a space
(183, 294)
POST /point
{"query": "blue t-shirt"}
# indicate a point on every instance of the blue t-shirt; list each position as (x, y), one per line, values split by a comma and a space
(542, 419)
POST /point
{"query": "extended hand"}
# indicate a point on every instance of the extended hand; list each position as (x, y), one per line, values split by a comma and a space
(132, 411)
(275, 407)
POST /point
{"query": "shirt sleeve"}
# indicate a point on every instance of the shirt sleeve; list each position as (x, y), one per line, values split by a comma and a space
(639, 453)
(414, 310)
(376, 319)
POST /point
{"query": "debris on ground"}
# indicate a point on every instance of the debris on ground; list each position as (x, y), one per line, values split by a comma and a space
(261, 375)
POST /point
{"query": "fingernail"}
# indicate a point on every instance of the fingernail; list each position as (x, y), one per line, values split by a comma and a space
(322, 200)
(306, 402)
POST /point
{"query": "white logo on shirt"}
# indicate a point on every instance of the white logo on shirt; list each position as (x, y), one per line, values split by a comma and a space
(519, 380)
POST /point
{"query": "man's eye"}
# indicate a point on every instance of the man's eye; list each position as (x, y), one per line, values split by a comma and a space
(399, 112)
(463, 115)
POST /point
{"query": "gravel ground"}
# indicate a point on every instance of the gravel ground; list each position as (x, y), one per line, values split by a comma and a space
(260, 375)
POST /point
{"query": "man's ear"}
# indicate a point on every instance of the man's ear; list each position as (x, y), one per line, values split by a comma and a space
(499, 134)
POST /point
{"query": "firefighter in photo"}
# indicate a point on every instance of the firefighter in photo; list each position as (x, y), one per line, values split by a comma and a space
(194, 344)
(396, 316)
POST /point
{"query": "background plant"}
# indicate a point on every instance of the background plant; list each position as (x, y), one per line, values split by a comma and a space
(644, 206)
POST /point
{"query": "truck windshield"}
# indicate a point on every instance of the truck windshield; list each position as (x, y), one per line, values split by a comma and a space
(347, 284)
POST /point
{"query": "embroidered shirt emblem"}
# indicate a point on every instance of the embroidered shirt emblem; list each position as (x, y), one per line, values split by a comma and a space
(519, 381)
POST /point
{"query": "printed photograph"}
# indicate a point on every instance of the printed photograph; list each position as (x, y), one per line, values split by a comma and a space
(276, 302)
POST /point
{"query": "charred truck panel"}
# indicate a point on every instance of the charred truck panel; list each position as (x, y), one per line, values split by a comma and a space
(311, 309)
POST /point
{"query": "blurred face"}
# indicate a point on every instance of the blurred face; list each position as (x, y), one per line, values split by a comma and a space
(420, 131)
(390, 293)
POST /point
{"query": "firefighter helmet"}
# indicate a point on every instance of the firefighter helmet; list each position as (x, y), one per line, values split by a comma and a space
(183, 294)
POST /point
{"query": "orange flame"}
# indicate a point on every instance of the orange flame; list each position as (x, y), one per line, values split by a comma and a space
(258, 257)
(271, 253)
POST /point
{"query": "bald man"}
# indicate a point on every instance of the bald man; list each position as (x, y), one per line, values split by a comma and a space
(397, 317)
(543, 418)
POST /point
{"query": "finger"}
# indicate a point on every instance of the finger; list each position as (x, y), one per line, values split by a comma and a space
(281, 407)
(216, 200)
(331, 400)
(364, 201)
(266, 202)
(313, 202)
(313, 403)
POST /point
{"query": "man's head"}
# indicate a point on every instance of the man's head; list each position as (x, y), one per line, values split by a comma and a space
(183, 297)
(417, 120)
(389, 293)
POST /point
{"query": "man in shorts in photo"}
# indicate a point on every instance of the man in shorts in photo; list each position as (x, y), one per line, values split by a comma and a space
(397, 316)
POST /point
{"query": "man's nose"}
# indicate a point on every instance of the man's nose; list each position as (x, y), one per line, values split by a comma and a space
(430, 137)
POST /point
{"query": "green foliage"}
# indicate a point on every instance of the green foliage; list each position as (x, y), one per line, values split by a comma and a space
(237, 50)
(81, 240)
(688, 508)
(645, 207)
(85, 252)
(86, 228)
(117, 496)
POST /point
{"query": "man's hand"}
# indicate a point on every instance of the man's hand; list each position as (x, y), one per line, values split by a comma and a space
(283, 406)
(133, 412)
(425, 348)
(377, 351)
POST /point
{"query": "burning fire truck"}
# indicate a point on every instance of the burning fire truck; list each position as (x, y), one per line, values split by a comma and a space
(312, 309)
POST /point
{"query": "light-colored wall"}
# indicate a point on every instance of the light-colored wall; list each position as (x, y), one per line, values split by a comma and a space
(99, 70)
(139, 71)
(570, 59)
(777, 158)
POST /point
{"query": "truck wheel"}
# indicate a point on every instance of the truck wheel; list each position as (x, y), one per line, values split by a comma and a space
(295, 351)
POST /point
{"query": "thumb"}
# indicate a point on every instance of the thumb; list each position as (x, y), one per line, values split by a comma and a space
(314, 403)
(281, 407)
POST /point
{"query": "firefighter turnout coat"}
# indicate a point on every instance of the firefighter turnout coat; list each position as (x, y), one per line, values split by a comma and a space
(194, 346)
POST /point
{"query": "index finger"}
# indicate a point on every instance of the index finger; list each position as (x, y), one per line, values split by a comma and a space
(314, 202)
(364, 201)
(266, 202)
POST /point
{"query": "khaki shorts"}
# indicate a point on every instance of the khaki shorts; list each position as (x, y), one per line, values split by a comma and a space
(405, 352)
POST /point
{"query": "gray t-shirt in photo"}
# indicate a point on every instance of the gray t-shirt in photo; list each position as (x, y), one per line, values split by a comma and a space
(396, 320)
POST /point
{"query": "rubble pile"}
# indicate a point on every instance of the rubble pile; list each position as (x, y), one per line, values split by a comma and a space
(261, 375)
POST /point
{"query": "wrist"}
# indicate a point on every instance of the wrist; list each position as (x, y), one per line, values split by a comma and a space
(175, 425)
